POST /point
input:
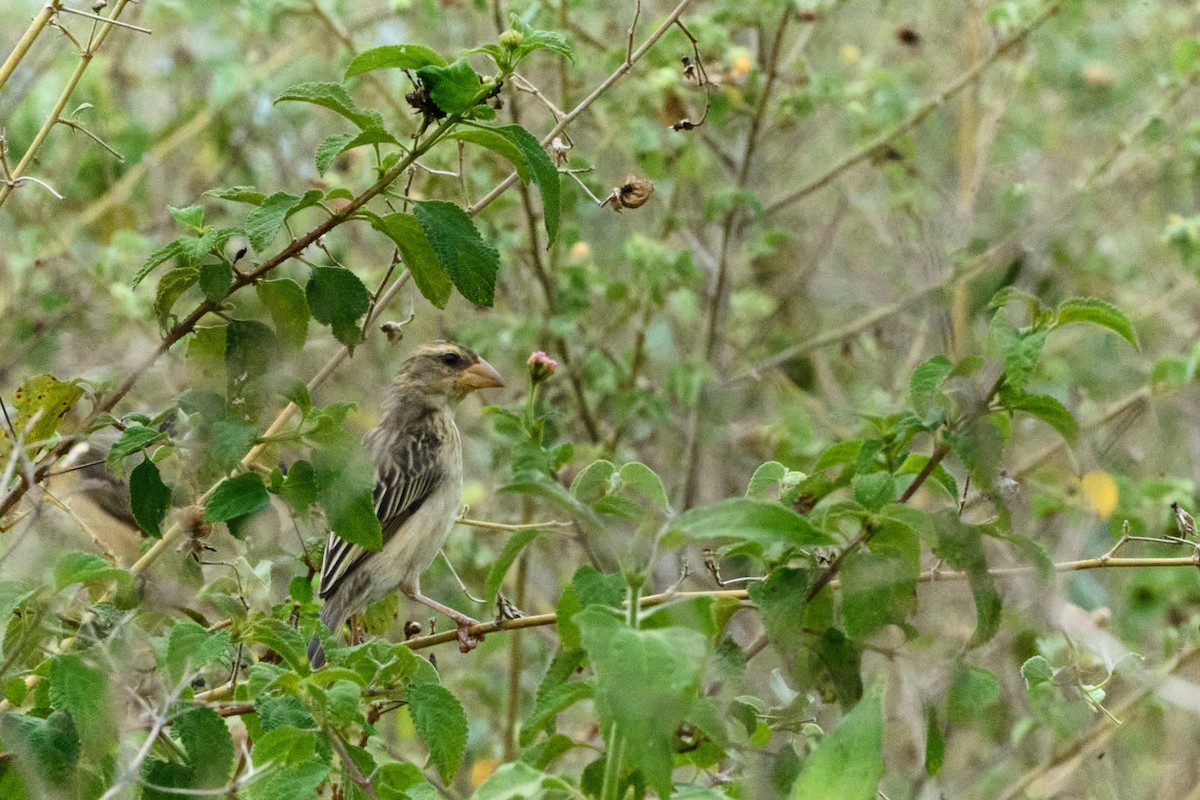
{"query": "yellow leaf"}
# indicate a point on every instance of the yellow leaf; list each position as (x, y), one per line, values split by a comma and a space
(1100, 491)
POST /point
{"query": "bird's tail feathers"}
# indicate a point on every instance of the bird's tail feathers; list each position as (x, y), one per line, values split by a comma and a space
(333, 614)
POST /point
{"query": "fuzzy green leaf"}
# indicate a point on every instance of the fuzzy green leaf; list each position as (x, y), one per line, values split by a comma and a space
(848, 763)
(236, 497)
(209, 746)
(334, 97)
(427, 271)
(156, 259)
(394, 56)
(512, 548)
(133, 439)
(1048, 409)
(749, 520)
(264, 222)
(285, 301)
(442, 724)
(544, 173)
(1090, 309)
(170, 288)
(149, 497)
(336, 297)
(646, 683)
(80, 567)
(452, 88)
(471, 262)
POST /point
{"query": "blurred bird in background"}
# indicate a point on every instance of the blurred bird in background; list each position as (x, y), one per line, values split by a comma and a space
(418, 467)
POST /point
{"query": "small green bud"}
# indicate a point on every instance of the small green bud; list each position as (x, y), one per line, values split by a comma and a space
(511, 39)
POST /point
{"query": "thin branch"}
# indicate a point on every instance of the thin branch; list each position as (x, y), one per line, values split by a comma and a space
(501, 526)
(586, 102)
(916, 117)
(85, 58)
(97, 17)
(27, 39)
(637, 12)
(928, 576)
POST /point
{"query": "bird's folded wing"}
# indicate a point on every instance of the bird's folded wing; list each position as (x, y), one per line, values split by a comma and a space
(400, 489)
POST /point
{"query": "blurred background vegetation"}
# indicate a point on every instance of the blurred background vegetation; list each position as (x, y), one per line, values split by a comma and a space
(866, 176)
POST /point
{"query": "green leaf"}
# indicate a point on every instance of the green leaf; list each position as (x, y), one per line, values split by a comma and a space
(285, 301)
(645, 481)
(747, 520)
(394, 56)
(300, 486)
(156, 259)
(549, 705)
(1048, 410)
(149, 497)
(960, 545)
(80, 567)
(329, 149)
(593, 482)
(236, 497)
(842, 659)
(209, 746)
(1036, 670)
(454, 88)
(1019, 350)
(925, 389)
(764, 479)
(518, 781)
(498, 143)
(874, 490)
(333, 146)
(42, 402)
(50, 745)
(133, 439)
(500, 567)
(192, 216)
(533, 39)
(848, 763)
(191, 647)
(215, 280)
(442, 725)
(81, 690)
(879, 585)
(338, 298)
(471, 262)
(285, 744)
(1090, 309)
(264, 222)
(972, 691)
(239, 194)
(544, 173)
(646, 683)
(288, 783)
(170, 288)
(427, 271)
(334, 97)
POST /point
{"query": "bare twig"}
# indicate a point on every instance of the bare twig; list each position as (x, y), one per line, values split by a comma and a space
(916, 117)
(27, 39)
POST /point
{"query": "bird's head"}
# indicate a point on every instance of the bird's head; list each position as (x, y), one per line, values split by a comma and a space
(446, 369)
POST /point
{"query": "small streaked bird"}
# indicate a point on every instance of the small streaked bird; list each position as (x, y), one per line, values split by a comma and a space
(418, 472)
(1183, 521)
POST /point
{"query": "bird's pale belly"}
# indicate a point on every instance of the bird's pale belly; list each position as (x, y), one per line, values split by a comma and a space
(405, 557)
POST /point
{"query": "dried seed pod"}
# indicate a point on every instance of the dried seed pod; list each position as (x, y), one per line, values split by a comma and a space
(908, 37)
(559, 148)
(635, 192)
(411, 628)
(195, 531)
(393, 330)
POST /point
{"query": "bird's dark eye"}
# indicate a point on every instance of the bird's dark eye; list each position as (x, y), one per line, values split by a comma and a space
(451, 359)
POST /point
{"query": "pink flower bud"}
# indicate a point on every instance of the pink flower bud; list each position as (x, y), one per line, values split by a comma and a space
(541, 366)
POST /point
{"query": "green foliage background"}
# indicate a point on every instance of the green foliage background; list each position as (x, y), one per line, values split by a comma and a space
(836, 353)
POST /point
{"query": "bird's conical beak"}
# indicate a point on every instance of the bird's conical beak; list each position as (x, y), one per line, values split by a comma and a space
(481, 376)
